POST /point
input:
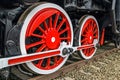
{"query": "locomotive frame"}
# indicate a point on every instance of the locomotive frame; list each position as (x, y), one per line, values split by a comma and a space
(73, 19)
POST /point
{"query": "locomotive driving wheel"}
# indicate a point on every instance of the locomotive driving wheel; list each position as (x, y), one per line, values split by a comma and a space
(45, 27)
(88, 32)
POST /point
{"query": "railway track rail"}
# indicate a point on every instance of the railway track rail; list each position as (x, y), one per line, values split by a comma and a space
(74, 62)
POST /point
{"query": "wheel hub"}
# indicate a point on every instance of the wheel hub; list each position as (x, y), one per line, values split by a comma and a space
(90, 38)
(52, 39)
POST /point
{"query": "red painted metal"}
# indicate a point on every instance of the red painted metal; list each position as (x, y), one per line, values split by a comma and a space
(32, 57)
(40, 57)
(52, 39)
(102, 37)
(46, 30)
(85, 47)
(89, 33)
(28, 58)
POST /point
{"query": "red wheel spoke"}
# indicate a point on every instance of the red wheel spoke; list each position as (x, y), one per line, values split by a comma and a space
(92, 23)
(41, 48)
(86, 54)
(92, 28)
(34, 44)
(60, 24)
(45, 25)
(88, 27)
(84, 43)
(84, 35)
(55, 59)
(50, 22)
(84, 40)
(56, 19)
(61, 58)
(41, 29)
(95, 37)
(46, 49)
(95, 26)
(95, 31)
(40, 18)
(39, 63)
(48, 62)
(86, 31)
(38, 36)
(87, 51)
(92, 49)
(66, 29)
(65, 38)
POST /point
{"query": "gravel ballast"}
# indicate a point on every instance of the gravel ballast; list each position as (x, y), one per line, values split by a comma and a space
(107, 68)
